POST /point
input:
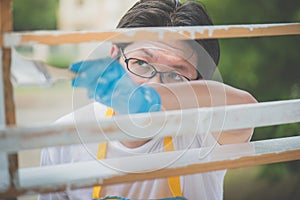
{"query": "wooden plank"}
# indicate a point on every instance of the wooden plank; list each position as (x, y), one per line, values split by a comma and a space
(130, 127)
(6, 25)
(2, 98)
(4, 172)
(153, 33)
(8, 88)
(9, 107)
(75, 175)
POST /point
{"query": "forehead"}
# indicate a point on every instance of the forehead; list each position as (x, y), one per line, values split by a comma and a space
(173, 48)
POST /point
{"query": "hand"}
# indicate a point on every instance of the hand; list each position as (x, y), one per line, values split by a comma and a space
(108, 83)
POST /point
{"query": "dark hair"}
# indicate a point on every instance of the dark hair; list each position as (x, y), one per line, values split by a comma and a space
(159, 13)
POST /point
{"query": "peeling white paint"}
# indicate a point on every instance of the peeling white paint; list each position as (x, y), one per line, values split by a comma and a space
(71, 175)
(212, 29)
(161, 35)
(15, 39)
(117, 128)
(192, 34)
(12, 39)
(75, 175)
(130, 33)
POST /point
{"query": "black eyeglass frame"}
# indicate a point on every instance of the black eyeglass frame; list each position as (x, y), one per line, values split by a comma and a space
(126, 60)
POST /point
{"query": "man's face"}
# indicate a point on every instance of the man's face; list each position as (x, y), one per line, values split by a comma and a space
(175, 57)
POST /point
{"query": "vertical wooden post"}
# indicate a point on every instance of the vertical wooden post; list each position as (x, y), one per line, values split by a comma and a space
(6, 25)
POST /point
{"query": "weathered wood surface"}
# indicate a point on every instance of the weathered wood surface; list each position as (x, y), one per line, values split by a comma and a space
(130, 127)
(6, 25)
(153, 33)
(112, 171)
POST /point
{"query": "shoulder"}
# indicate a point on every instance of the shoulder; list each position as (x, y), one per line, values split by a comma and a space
(195, 140)
(84, 114)
(78, 152)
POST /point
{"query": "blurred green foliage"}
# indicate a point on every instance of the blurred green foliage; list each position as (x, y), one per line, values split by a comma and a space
(34, 14)
(57, 55)
(267, 67)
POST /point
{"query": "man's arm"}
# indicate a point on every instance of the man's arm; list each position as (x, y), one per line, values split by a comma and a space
(206, 94)
(108, 83)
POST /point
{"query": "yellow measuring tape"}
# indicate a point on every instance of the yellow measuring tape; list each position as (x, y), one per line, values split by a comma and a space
(173, 182)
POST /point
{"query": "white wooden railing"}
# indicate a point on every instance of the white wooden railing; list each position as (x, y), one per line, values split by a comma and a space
(13, 138)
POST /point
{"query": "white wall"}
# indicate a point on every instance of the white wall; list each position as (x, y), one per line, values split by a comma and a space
(91, 14)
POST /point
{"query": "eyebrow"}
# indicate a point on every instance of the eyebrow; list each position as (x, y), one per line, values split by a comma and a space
(181, 67)
(148, 53)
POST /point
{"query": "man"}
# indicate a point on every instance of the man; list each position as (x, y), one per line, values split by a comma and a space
(149, 76)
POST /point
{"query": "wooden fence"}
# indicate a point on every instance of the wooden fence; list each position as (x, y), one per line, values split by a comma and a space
(13, 138)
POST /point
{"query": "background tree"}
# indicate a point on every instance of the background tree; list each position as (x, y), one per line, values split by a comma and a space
(34, 14)
(268, 67)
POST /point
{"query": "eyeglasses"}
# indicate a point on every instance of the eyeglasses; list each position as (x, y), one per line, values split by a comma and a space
(143, 69)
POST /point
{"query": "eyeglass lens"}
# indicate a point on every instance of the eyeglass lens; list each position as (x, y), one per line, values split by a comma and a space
(143, 69)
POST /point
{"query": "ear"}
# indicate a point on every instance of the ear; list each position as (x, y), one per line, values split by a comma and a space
(114, 51)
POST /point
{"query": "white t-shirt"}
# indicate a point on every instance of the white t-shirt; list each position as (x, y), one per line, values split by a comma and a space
(196, 186)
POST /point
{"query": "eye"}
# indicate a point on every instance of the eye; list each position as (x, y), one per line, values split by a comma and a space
(140, 67)
(175, 77)
(140, 63)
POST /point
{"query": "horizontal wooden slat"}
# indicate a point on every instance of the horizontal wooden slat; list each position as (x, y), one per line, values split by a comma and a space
(153, 33)
(130, 127)
(75, 175)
